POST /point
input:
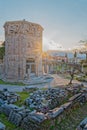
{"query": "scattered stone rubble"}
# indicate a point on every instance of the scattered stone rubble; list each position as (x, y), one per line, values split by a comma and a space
(10, 97)
(45, 100)
(83, 125)
(7, 108)
(35, 120)
(32, 121)
(2, 126)
(74, 88)
(28, 89)
(17, 115)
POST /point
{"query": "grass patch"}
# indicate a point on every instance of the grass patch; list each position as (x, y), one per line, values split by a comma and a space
(9, 83)
(23, 96)
(4, 119)
(9, 125)
(43, 89)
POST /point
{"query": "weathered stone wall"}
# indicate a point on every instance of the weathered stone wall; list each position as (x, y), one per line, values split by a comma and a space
(23, 40)
(1, 69)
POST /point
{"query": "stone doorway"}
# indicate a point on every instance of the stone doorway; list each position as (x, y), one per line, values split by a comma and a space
(33, 68)
(30, 67)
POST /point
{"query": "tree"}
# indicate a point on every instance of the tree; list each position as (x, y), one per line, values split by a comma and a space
(2, 51)
(72, 73)
(74, 69)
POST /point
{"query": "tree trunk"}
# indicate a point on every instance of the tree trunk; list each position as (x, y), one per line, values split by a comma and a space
(72, 76)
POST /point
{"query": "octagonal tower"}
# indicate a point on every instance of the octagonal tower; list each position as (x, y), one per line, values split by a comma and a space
(23, 50)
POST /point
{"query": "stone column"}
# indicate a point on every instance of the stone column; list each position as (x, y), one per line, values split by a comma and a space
(43, 69)
(47, 69)
(28, 75)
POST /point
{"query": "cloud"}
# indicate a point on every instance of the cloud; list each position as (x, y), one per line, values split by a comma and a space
(78, 48)
(51, 45)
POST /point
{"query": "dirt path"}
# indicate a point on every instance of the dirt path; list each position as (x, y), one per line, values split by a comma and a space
(57, 81)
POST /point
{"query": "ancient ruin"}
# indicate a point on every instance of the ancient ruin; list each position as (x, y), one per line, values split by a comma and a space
(26, 118)
(23, 50)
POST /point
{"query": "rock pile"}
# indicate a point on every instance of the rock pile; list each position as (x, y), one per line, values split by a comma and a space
(47, 107)
(74, 88)
(33, 121)
(17, 115)
(2, 126)
(45, 100)
(14, 113)
(83, 125)
(2, 101)
(10, 97)
(28, 89)
(7, 108)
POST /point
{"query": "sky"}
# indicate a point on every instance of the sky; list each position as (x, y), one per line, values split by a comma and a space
(64, 21)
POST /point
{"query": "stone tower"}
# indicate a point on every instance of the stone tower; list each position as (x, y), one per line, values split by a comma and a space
(23, 50)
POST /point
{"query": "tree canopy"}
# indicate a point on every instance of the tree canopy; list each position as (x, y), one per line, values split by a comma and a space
(2, 51)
